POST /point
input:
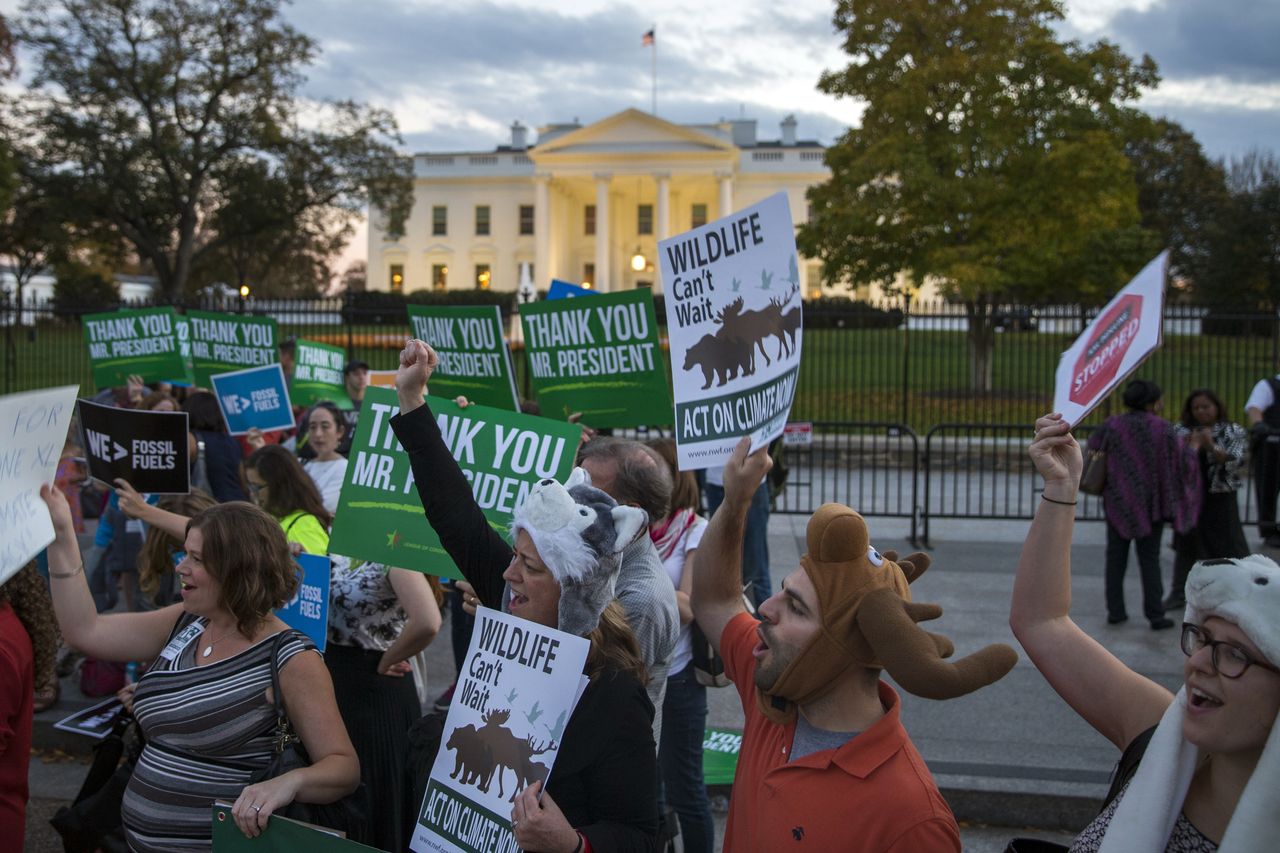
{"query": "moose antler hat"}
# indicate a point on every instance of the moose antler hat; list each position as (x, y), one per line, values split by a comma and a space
(869, 620)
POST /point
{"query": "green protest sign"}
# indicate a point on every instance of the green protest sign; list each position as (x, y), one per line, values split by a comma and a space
(474, 360)
(282, 835)
(317, 374)
(143, 341)
(720, 749)
(223, 343)
(502, 453)
(599, 356)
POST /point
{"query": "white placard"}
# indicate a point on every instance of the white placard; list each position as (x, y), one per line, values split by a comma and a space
(518, 686)
(735, 322)
(33, 429)
(1119, 339)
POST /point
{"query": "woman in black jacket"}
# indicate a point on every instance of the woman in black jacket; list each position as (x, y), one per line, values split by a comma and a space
(602, 793)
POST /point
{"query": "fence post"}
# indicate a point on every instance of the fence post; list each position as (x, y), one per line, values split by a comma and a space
(348, 318)
(10, 348)
(906, 357)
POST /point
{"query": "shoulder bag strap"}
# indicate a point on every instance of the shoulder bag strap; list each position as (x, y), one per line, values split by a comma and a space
(284, 734)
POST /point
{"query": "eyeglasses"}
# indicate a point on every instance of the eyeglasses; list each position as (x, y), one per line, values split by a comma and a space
(1229, 660)
(255, 488)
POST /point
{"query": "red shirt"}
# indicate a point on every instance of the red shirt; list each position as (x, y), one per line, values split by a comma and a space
(17, 689)
(873, 794)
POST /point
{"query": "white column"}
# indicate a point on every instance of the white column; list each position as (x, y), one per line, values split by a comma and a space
(664, 205)
(542, 231)
(602, 232)
(726, 192)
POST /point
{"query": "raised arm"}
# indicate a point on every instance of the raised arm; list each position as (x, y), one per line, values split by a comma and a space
(450, 505)
(717, 573)
(135, 505)
(115, 637)
(1118, 702)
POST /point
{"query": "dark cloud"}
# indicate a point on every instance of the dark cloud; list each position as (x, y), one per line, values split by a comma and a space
(1236, 39)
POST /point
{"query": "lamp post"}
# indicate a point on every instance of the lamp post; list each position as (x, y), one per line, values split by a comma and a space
(244, 294)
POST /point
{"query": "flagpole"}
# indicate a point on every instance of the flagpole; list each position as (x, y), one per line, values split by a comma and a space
(654, 69)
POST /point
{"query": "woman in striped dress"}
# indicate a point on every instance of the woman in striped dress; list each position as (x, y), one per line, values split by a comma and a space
(205, 703)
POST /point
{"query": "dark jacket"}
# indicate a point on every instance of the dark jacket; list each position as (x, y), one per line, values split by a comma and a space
(605, 774)
(222, 457)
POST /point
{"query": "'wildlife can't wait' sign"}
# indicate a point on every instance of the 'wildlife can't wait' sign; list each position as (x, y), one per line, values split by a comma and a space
(516, 690)
(734, 320)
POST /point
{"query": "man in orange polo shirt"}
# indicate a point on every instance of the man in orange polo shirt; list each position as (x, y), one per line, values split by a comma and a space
(835, 770)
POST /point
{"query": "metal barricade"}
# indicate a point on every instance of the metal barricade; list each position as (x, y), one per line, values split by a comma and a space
(872, 467)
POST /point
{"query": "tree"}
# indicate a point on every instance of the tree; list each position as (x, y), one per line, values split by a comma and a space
(988, 158)
(1181, 195)
(32, 231)
(1243, 267)
(8, 169)
(275, 239)
(153, 104)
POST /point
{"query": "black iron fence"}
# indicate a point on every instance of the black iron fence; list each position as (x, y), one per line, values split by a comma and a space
(874, 380)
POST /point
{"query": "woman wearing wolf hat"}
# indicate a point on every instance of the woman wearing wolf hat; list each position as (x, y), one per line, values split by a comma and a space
(561, 572)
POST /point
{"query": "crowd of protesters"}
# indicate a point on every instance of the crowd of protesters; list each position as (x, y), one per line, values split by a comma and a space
(187, 587)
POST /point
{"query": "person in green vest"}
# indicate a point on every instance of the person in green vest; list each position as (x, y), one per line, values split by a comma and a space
(279, 484)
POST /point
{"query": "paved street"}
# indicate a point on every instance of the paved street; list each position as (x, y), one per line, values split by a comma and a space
(1008, 757)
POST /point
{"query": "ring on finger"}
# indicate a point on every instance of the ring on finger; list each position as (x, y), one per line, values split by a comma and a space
(256, 808)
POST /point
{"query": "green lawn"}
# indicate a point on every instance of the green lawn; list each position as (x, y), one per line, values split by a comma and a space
(847, 375)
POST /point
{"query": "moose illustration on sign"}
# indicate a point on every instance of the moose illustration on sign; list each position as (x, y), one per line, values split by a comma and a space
(731, 351)
(492, 749)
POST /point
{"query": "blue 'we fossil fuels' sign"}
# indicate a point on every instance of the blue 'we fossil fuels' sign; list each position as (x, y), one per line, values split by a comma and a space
(735, 326)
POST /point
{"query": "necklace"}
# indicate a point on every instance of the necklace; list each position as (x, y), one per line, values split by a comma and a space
(208, 650)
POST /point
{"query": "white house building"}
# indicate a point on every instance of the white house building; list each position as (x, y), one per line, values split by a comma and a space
(586, 203)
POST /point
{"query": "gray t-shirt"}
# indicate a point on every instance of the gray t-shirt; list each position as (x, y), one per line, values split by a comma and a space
(810, 739)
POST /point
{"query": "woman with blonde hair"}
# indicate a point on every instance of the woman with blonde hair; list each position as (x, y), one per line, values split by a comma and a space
(162, 552)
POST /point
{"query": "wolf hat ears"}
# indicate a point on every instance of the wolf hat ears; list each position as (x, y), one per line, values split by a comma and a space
(579, 532)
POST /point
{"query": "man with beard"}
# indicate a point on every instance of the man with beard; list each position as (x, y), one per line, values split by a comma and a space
(825, 763)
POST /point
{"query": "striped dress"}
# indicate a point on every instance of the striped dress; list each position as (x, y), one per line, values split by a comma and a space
(207, 729)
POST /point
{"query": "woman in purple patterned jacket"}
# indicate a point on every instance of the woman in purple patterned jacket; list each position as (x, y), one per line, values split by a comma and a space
(1152, 477)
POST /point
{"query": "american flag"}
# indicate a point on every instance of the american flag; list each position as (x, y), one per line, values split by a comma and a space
(646, 40)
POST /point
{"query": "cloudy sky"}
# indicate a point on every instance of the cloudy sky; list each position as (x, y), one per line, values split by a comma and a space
(456, 74)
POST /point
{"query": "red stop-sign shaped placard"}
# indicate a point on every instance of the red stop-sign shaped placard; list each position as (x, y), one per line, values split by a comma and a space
(1101, 358)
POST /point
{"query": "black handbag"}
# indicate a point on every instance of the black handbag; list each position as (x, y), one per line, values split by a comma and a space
(1093, 480)
(349, 814)
(92, 822)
